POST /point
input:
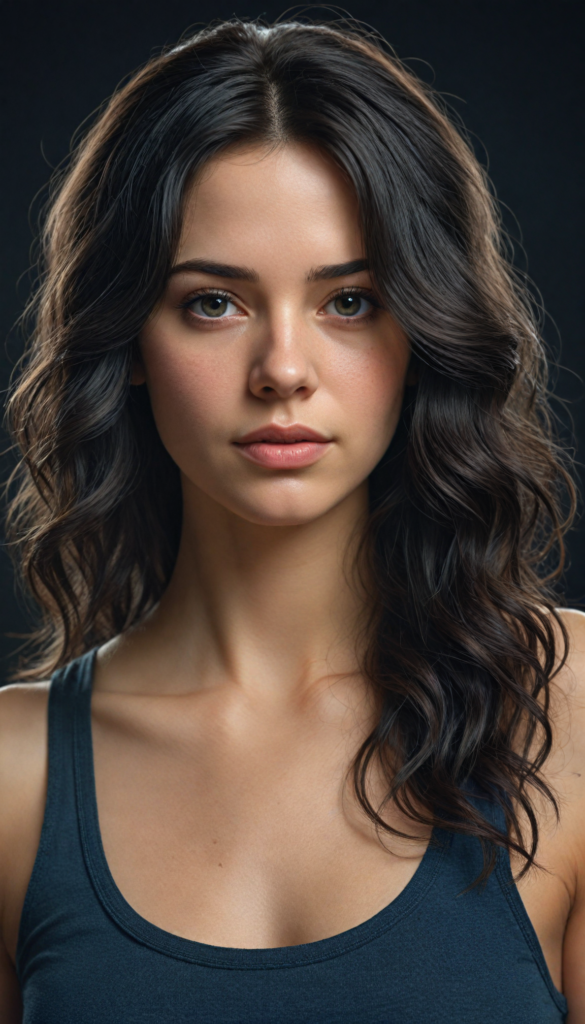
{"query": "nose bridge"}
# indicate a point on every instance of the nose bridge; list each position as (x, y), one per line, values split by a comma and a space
(283, 361)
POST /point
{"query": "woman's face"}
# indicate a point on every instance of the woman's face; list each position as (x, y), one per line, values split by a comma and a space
(276, 379)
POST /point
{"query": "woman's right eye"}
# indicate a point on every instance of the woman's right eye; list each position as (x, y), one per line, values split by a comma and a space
(211, 306)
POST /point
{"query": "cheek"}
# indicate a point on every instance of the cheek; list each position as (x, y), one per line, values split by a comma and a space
(191, 393)
(371, 390)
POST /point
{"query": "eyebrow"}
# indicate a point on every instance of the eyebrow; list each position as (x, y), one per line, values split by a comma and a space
(217, 269)
(325, 273)
(337, 270)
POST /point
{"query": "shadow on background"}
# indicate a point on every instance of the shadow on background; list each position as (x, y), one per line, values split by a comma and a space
(511, 70)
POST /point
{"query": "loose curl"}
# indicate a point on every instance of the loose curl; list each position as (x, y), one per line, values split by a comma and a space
(466, 506)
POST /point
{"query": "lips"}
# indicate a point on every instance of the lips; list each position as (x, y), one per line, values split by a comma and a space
(276, 447)
(273, 433)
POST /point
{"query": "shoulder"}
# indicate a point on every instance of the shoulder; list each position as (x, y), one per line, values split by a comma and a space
(568, 714)
(23, 733)
(565, 769)
(574, 622)
(567, 699)
(22, 704)
(23, 781)
(568, 685)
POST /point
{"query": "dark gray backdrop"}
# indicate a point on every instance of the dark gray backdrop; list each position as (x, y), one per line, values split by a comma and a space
(512, 69)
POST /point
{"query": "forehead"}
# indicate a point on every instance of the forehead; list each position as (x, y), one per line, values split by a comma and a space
(291, 197)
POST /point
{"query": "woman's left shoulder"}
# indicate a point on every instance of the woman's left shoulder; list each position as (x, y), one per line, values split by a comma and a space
(567, 698)
(574, 621)
(566, 774)
(564, 769)
(569, 682)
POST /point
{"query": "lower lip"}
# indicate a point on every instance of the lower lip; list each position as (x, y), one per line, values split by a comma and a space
(284, 456)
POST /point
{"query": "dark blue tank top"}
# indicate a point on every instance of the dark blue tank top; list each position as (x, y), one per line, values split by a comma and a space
(435, 955)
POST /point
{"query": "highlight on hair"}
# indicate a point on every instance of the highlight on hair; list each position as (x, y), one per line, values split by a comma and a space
(466, 506)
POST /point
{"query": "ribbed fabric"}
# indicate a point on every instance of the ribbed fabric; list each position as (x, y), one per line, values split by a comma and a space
(435, 955)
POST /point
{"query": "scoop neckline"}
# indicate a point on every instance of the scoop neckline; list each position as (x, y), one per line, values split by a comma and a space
(191, 950)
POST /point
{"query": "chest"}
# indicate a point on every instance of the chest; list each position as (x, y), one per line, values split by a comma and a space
(245, 841)
(253, 838)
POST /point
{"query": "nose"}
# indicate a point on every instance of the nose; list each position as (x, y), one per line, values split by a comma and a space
(283, 365)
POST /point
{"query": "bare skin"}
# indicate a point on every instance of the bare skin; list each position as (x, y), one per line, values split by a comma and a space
(225, 724)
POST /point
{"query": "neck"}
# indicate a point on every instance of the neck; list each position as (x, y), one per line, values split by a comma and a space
(272, 608)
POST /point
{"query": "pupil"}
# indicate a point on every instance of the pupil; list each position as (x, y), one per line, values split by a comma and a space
(347, 304)
(213, 305)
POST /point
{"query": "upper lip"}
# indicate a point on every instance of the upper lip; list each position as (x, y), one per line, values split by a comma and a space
(286, 435)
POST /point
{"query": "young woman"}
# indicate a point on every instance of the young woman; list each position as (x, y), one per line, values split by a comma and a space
(316, 733)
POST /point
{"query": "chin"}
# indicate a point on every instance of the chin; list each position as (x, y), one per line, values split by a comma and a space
(282, 503)
(288, 509)
(281, 516)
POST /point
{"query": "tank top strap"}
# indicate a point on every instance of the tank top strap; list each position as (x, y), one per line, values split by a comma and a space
(503, 889)
(69, 700)
(58, 861)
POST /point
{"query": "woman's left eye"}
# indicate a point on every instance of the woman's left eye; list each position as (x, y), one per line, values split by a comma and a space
(212, 306)
(349, 304)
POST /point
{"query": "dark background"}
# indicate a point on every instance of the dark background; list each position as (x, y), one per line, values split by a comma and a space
(511, 69)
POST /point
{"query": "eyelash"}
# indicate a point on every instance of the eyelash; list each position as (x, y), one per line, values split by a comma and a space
(201, 294)
(365, 293)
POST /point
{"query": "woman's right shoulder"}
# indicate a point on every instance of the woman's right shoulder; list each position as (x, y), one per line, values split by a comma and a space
(23, 735)
(23, 786)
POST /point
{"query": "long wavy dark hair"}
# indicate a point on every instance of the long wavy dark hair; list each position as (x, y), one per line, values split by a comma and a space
(466, 506)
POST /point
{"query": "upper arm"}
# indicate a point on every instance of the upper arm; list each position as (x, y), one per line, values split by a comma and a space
(23, 778)
(571, 682)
